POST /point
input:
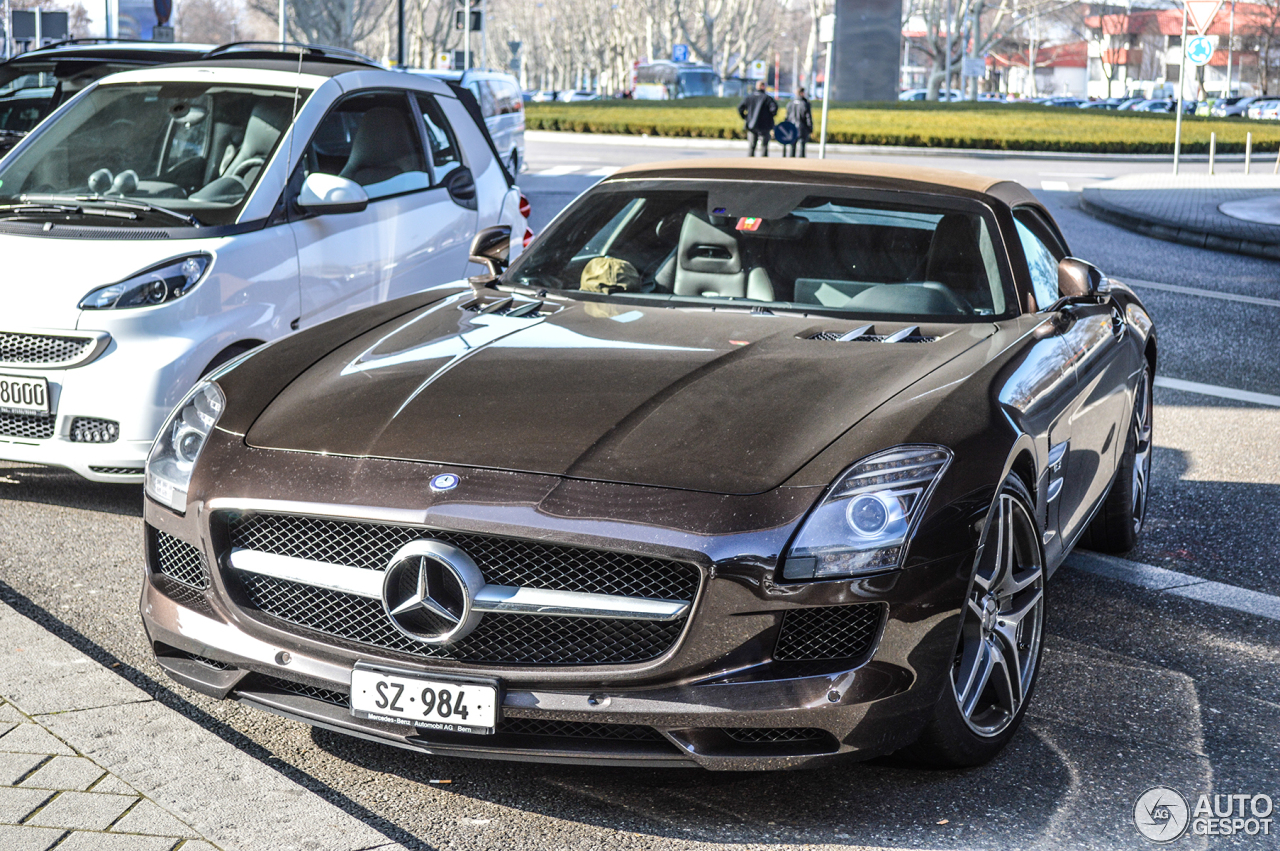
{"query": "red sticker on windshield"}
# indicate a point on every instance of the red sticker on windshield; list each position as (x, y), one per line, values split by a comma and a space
(749, 223)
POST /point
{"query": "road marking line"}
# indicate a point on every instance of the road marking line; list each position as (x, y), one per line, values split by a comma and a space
(1173, 288)
(1055, 186)
(1179, 584)
(558, 170)
(1215, 390)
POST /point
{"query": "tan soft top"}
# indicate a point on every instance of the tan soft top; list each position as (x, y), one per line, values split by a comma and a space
(748, 168)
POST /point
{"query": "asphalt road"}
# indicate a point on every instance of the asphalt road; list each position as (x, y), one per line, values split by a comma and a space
(1139, 688)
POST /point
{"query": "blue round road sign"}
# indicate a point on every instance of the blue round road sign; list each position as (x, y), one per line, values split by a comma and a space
(786, 133)
(1199, 50)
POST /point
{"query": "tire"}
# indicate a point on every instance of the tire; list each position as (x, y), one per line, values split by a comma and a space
(1116, 526)
(997, 659)
(514, 164)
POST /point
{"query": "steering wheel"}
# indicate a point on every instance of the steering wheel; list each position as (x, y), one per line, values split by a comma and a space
(252, 162)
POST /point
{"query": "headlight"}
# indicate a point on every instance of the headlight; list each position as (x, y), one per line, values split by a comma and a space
(864, 521)
(178, 445)
(166, 282)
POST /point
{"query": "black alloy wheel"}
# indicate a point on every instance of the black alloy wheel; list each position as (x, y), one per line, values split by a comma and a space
(997, 655)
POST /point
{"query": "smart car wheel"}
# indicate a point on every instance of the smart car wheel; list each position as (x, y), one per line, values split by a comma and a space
(1116, 526)
(997, 655)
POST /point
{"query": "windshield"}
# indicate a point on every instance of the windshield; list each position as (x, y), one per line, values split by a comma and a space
(696, 84)
(30, 90)
(195, 149)
(936, 258)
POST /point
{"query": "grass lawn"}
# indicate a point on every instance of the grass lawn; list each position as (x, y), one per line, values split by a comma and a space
(995, 126)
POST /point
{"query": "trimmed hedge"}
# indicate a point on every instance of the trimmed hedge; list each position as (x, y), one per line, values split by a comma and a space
(991, 126)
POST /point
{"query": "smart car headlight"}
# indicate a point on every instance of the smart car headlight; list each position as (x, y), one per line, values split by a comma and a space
(173, 455)
(160, 284)
(864, 521)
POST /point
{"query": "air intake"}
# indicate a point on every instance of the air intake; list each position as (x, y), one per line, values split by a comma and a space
(867, 334)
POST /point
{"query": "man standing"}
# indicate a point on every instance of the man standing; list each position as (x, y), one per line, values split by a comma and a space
(757, 110)
(799, 114)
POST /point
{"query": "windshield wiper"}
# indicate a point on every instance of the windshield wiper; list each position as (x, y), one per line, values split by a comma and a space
(115, 203)
(10, 211)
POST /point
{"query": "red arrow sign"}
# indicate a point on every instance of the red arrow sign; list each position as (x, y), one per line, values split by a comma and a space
(1202, 12)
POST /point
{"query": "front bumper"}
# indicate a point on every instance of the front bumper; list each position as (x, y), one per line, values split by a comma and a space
(717, 698)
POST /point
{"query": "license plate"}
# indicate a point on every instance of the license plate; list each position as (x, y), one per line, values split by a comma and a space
(458, 706)
(23, 395)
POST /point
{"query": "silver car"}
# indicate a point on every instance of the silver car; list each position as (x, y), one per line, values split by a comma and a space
(501, 104)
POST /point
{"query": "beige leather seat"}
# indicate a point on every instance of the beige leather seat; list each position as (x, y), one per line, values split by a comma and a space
(709, 263)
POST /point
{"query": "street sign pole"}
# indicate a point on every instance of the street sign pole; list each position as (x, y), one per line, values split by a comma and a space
(399, 33)
(826, 35)
(466, 34)
(1182, 85)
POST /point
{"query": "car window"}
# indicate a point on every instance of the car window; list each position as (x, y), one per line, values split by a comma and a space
(445, 156)
(371, 138)
(933, 258)
(1043, 266)
(484, 94)
(196, 149)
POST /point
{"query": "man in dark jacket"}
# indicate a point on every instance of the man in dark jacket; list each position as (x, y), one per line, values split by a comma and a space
(799, 114)
(757, 110)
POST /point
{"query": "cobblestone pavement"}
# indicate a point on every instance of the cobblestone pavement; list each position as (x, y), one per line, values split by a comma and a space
(52, 795)
(1185, 208)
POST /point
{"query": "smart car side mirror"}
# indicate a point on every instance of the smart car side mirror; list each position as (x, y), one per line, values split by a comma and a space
(462, 188)
(492, 248)
(329, 193)
(1080, 280)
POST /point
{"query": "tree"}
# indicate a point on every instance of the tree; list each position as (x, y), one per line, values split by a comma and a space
(340, 23)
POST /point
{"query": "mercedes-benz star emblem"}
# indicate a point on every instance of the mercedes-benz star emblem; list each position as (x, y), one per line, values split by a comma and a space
(428, 592)
(444, 482)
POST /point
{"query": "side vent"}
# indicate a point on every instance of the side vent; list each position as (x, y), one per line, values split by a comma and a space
(509, 306)
(867, 334)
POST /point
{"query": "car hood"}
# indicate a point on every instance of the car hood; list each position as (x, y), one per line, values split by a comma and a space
(719, 401)
(45, 278)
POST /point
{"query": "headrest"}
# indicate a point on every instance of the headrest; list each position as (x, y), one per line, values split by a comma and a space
(954, 255)
(705, 248)
(267, 121)
(381, 139)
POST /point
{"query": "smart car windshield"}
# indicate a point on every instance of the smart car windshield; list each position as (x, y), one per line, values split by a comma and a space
(774, 244)
(155, 153)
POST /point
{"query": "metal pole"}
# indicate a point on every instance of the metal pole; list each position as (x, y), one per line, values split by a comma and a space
(946, 76)
(1230, 45)
(484, 32)
(399, 33)
(283, 25)
(8, 24)
(1213, 149)
(466, 34)
(1248, 151)
(1182, 85)
(1276, 169)
(826, 99)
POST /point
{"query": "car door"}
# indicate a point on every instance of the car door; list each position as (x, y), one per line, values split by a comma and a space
(1093, 336)
(405, 240)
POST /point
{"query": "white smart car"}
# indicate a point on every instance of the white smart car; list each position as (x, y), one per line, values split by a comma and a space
(166, 220)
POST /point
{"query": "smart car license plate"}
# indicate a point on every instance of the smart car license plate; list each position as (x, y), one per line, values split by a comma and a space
(459, 706)
(23, 395)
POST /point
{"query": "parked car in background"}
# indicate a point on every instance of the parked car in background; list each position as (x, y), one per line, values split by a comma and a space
(1262, 108)
(667, 80)
(35, 83)
(578, 96)
(169, 219)
(1232, 107)
(923, 94)
(1129, 103)
(501, 104)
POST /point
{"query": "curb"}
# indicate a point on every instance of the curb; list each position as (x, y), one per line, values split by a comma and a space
(1171, 233)
(570, 137)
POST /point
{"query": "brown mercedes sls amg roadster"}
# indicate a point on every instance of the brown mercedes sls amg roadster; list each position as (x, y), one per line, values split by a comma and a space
(737, 466)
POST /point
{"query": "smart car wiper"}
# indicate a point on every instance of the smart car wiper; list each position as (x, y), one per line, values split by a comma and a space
(10, 211)
(103, 204)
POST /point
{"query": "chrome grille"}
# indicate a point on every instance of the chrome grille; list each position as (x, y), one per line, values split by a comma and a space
(503, 561)
(29, 426)
(40, 348)
(94, 430)
(499, 639)
(829, 632)
(117, 471)
(337, 698)
(180, 561)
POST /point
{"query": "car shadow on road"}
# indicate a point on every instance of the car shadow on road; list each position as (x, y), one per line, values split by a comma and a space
(55, 486)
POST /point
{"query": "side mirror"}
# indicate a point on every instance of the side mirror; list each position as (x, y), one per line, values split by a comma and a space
(329, 193)
(462, 188)
(492, 247)
(1080, 280)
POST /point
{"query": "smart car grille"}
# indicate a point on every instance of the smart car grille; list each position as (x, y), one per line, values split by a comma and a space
(29, 426)
(117, 471)
(93, 430)
(759, 735)
(829, 632)
(502, 561)
(179, 560)
(579, 730)
(40, 348)
(499, 639)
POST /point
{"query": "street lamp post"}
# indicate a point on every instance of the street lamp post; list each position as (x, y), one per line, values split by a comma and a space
(1231, 39)
(1182, 87)
(283, 37)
